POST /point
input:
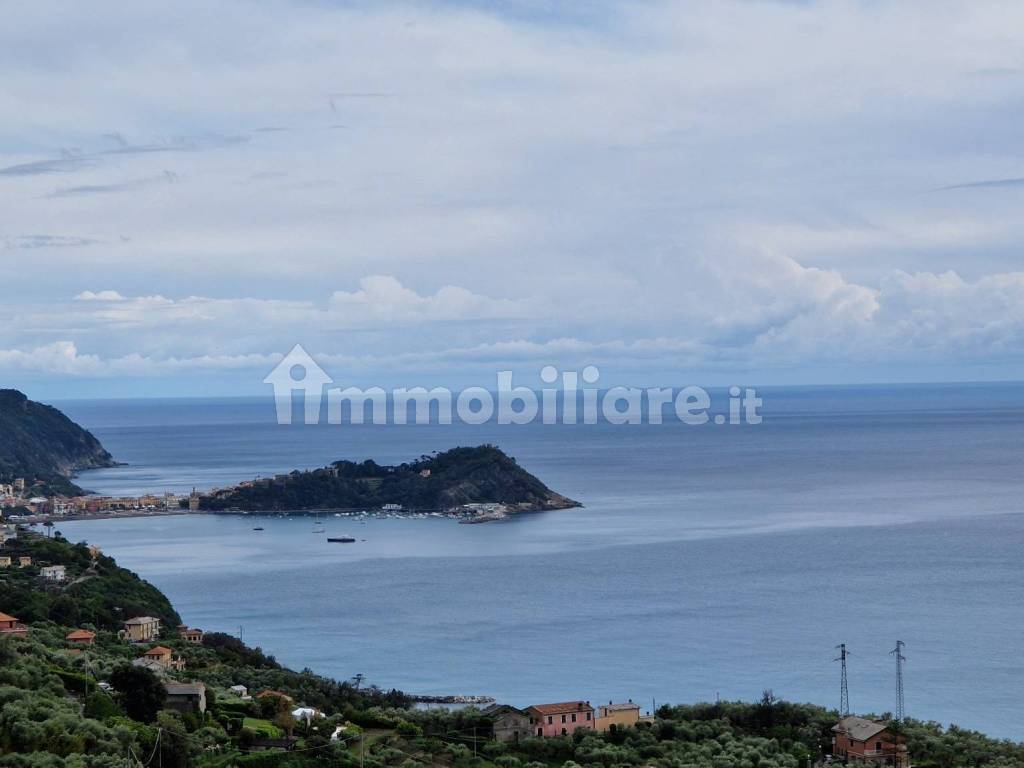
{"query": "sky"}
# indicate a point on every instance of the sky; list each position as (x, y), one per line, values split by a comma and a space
(704, 192)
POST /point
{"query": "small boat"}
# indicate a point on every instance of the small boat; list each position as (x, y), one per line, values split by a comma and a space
(341, 539)
(258, 528)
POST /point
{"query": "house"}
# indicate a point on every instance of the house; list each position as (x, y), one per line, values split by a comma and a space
(5, 562)
(11, 626)
(240, 691)
(164, 656)
(54, 573)
(186, 697)
(153, 666)
(624, 715)
(141, 629)
(190, 634)
(510, 723)
(561, 719)
(306, 714)
(81, 637)
(392, 508)
(24, 562)
(868, 741)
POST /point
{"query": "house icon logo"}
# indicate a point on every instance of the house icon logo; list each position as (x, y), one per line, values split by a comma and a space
(298, 371)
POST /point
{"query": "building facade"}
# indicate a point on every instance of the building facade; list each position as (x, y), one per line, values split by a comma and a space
(857, 739)
(510, 724)
(561, 719)
(141, 629)
(625, 715)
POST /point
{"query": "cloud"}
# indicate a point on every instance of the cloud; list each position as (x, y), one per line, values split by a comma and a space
(99, 296)
(385, 299)
(515, 182)
(986, 183)
(46, 241)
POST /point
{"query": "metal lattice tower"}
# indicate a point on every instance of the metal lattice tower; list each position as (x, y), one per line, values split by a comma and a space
(844, 691)
(900, 658)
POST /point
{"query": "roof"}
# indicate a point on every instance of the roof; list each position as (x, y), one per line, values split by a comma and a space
(565, 706)
(500, 709)
(620, 707)
(151, 664)
(141, 620)
(859, 728)
(5, 617)
(185, 689)
(158, 651)
(80, 634)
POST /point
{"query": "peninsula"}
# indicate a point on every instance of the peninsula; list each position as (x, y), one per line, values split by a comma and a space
(480, 483)
(41, 448)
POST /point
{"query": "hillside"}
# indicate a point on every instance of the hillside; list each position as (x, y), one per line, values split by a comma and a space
(42, 445)
(89, 707)
(98, 590)
(443, 481)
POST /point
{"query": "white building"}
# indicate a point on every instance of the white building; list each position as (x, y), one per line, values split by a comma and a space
(53, 573)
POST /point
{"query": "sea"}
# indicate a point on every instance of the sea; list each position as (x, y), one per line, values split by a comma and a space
(712, 561)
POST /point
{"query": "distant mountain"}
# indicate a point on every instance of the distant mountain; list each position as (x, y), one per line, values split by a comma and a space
(443, 481)
(42, 445)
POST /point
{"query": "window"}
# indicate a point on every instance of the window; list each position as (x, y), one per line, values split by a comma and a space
(550, 720)
(574, 717)
(588, 715)
(878, 746)
(563, 731)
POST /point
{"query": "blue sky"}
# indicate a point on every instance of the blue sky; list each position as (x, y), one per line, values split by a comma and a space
(420, 194)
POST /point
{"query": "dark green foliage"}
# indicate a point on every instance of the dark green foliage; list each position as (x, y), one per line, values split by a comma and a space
(142, 692)
(41, 443)
(459, 476)
(104, 598)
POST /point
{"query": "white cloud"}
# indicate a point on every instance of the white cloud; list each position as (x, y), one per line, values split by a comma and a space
(99, 296)
(725, 183)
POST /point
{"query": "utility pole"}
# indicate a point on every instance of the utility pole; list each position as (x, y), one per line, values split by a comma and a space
(844, 691)
(900, 658)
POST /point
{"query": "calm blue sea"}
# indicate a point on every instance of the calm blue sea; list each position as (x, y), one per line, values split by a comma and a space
(708, 561)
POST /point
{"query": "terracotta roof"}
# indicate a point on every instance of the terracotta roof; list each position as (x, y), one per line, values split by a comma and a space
(565, 706)
(158, 651)
(80, 634)
(858, 728)
(5, 617)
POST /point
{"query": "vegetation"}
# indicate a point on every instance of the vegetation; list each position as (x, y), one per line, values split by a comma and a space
(44, 446)
(441, 481)
(98, 592)
(55, 714)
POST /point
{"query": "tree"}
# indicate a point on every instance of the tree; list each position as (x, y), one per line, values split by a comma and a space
(142, 692)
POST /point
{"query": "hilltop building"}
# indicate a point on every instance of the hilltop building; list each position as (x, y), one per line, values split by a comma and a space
(510, 724)
(857, 739)
(141, 629)
(9, 625)
(561, 719)
(625, 715)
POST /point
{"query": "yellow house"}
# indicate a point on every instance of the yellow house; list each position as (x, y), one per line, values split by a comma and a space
(621, 715)
(141, 629)
(5, 562)
(24, 562)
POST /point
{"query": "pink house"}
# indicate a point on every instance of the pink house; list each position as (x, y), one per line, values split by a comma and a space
(561, 719)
